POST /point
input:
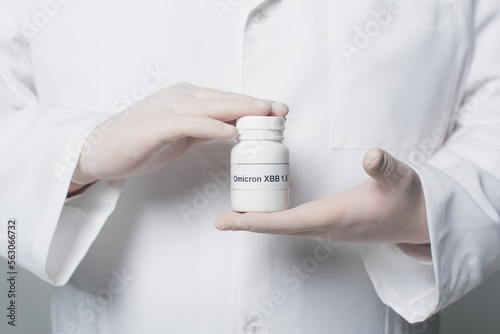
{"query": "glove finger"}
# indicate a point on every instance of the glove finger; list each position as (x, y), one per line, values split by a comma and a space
(196, 127)
(384, 168)
(209, 93)
(315, 216)
(230, 109)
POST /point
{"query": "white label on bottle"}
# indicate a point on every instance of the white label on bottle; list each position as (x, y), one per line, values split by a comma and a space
(272, 176)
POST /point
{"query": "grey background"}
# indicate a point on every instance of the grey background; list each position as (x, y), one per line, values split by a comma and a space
(477, 313)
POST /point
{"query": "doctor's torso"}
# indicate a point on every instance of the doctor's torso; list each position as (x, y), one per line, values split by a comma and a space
(355, 74)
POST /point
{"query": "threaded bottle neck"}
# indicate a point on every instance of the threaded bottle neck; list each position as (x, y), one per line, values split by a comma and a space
(253, 134)
(260, 128)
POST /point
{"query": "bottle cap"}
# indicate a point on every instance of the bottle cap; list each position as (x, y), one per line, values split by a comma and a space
(261, 123)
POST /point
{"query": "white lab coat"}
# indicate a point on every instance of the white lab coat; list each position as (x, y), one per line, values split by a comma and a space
(142, 256)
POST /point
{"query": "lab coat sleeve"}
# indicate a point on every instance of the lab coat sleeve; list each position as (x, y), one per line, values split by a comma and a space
(461, 184)
(39, 147)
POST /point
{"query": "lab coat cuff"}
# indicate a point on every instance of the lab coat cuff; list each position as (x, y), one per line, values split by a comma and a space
(67, 227)
(406, 278)
(81, 220)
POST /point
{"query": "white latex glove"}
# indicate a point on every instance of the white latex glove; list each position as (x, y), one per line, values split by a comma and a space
(160, 128)
(388, 207)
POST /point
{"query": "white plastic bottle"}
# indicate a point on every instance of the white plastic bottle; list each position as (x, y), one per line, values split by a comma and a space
(260, 165)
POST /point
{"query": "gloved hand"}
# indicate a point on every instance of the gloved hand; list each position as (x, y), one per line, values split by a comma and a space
(160, 128)
(388, 207)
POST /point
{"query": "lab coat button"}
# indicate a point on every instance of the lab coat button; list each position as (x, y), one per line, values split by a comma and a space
(259, 18)
(251, 328)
